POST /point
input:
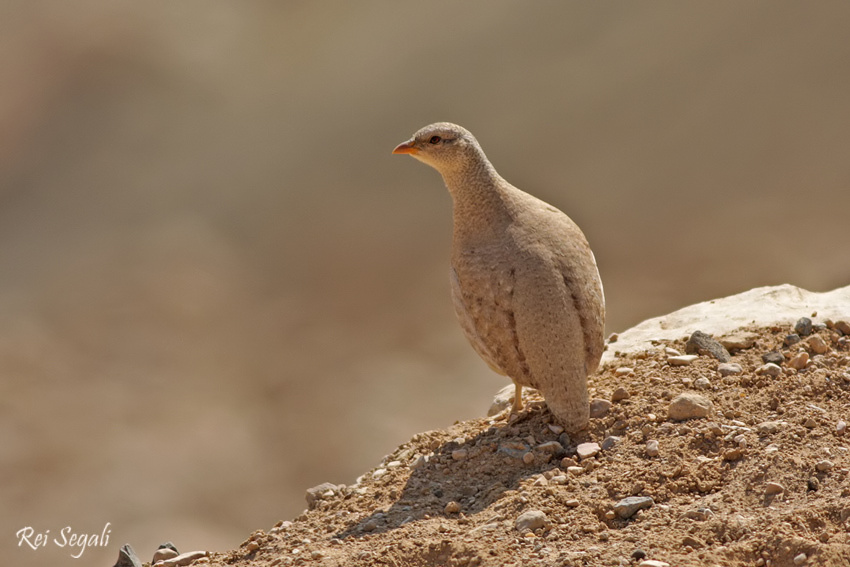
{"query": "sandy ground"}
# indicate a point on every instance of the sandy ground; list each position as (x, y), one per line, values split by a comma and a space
(763, 478)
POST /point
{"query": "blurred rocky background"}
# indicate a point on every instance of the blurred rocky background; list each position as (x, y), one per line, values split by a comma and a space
(218, 287)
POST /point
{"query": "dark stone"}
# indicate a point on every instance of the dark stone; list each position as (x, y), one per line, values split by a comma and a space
(803, 327)
(703, 344)
(773, 356)
(127, 557)
(791, 339)
(168, 545)
(638, 554)
(813, 484)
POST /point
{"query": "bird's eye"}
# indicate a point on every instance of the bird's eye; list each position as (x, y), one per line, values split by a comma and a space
(435, 139)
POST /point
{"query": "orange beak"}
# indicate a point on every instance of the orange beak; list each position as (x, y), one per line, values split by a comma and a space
(407, 147)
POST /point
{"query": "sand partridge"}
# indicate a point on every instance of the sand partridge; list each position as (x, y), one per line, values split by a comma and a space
(524, 281)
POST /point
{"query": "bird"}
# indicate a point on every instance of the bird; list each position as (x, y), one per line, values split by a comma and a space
(524, 282)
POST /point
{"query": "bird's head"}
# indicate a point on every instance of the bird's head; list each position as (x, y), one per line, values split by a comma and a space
(444, 146)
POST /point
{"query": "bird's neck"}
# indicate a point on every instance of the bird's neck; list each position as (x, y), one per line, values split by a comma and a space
(481, 204)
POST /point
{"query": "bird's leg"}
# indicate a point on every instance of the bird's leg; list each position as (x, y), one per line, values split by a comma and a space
(517, 399)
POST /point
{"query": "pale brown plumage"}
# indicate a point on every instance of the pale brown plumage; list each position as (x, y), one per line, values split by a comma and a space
(524, 281)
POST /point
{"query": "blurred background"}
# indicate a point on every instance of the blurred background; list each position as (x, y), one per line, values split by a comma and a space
(219, 288)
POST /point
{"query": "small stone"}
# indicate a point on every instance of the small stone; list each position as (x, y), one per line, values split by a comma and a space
(530, 521)
(702, 383)
(638, 554)
(843, 327)
(653, 563)
(813, 484)
(772, 488)
(503, 400)
(799, 360)
(572, 503)
(318, 492)
(163, 553)
(791, 339)
(568, 462)
(452, 508)
(559, 479)
(689, 406)
(370, 526)
(733, 454)
(609, 442)
(624, 371)
(739, 341)
(729, 368)
(652, 448)
(773, 357)
(841, 427)
(620, 394)
(810, 423)
(770, 369)
(555, 428)
(184, 559)
(587, 450)
(575, 470)
(612, 338)
(599, 408)
(460, 454)
(800, 559)
(817, 344)
(683, 360)
(671, 352)
(700, 514)
(251, 547)
(803, 327)
(769, 427)
(824, 466)
(316, 554)
(628, 507)
(528, 458)
(551, 447)
(127, 557)
(693, 542)
(704, 344)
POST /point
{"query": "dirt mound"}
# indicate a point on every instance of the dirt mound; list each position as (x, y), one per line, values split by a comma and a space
(763, 479)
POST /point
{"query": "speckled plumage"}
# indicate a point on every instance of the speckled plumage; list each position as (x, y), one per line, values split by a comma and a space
(524, 281)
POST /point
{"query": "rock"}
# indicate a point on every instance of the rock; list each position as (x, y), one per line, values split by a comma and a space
(791, 339)
(773, 357)
(575, 470)
(702, 383)
(587, 450)
(689, 406)
(599, 408)
(769, 427)
(700, 514)
(127, 557)
(824, 466)
(370, 526)
(810, 423)
(184, 559)
(693, 542)
(555, 428)
(813, 484)
(799, 361)
(843, 327)
(803, 326)
(530, 521)
(627, 507)
(567, 462)
(572, 503)
(460, 454)
(772, 488)
(729, 368)
(452, 508)
(704, 344)
(620, 394)
(528, 458)
(738, 341)
(503, 400)
(817, 344)
(841, 427)
(653, 563)
(162, 554)
(800, 559)
(251, 547)
(671, 352)
(318, 492)
(652, 448)
(683, 360)
(638, 554)
(624, 371)
(551, 447)
(609, 442)
(769, 369)
(733, 454)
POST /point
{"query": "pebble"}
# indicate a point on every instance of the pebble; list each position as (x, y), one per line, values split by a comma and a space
(572, 503)
(791, 339)
(587, 450)
(810, 423)
(184, 559)
(803, 327)
(692, 541)
(638, 554)
(555, 428)
(773, 357)
(817, 344)
(824, 466)
(251, 547)
(769, 369)
(703, 343)
(559, 479)
(733, 454)
(567, 462)
(599, 408)
(609, 442)
(739, 341)
(672, 352)
(551, 447)
(841, 427)
(628, 507)
(800, 559)
(689, 406)
(702, 383)
(769, 427)
(729, 368)
(620, 394)
(575, 470)
(683, 360)
(164, 553)
(652, 448)
(320, 491)
(452, 508)
(127, 557)
(528, 458)
(460, 454)
(624, 371)
(700, 514)
(843, 327)
(773, 488)
(316, 554)
(530, 521)
(653, 563)
(799, 361)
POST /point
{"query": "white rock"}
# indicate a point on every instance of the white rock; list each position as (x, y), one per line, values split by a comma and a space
(653, 563)
(800, 559)
(682, 360)
(799, 361)
(530, 521)
(702, 383)
(769, 369)
(689, 406)
(588, 450)
(652, 448)
(729, 368)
